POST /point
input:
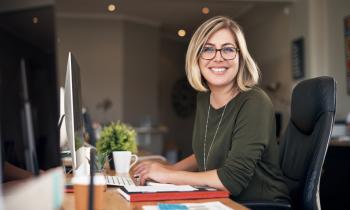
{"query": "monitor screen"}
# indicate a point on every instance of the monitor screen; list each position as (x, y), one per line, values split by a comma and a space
(21, 38)
(73, 111)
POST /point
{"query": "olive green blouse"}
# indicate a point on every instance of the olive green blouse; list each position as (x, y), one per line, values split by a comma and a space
(245, 151)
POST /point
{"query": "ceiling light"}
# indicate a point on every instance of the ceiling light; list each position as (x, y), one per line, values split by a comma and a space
(205, 10)
(181, 32)
(35, 20)
(111, 7)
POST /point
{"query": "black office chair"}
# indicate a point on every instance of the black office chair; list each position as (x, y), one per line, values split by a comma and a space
(304, 143)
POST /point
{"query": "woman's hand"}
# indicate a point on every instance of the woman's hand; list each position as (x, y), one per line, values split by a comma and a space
(172, 175)
(152, 170)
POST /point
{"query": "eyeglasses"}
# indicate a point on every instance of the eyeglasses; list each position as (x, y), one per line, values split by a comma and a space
(227, 53)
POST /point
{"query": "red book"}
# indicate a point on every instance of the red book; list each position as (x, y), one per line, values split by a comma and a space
(199, 193)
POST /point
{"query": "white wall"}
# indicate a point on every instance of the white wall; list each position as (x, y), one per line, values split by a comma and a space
(118, 60)
(321, 23)
(267, 32)
(337, 10)
(140, 79)
(97, 45)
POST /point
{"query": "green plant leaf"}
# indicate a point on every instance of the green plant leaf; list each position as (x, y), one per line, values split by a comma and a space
(117, 137)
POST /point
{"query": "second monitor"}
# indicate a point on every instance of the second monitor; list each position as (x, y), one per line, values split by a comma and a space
(74, 118)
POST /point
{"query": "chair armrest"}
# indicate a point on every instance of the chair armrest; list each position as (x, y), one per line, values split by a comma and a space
(267, 205)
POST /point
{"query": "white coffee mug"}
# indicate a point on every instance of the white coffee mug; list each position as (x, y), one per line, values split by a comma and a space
(122, 161)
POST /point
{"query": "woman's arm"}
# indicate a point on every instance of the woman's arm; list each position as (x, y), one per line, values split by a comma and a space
(187, 164)
(208, 178)
(159, 173)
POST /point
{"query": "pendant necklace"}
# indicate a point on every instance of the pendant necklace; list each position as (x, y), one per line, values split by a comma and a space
(205, 157)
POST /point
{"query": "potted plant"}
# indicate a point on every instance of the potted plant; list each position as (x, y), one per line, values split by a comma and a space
(116, 137)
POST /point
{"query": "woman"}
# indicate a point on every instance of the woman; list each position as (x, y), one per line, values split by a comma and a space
(234, 142)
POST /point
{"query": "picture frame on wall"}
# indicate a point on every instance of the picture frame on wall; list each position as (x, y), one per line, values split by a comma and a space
(298, 64)
(347, 51)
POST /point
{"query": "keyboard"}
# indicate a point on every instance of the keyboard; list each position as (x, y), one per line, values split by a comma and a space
(119, 181)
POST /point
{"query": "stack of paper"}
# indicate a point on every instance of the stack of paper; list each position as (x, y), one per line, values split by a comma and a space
(168, 188)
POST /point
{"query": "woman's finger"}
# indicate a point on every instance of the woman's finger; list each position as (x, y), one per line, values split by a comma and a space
(139, 166)
(143, 177)
(142, 164)
(136, 167)
(137, 170)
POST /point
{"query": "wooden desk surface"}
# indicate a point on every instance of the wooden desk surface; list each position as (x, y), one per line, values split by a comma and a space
(114, 201)
(337, 143)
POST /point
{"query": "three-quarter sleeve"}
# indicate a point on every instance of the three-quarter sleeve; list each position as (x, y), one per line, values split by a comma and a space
(253, 130)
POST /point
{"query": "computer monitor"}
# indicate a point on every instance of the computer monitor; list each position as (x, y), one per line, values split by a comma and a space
(36, 45)
(73, 113)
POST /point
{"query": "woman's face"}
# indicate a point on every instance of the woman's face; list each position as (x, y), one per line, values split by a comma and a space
(219, 72)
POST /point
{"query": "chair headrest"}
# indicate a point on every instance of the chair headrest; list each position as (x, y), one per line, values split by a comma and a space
(310, 99)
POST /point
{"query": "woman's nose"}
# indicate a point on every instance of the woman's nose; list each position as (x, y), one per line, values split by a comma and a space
(218, 57)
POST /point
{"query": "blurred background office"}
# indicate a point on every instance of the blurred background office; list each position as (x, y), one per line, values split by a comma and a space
(132, 56)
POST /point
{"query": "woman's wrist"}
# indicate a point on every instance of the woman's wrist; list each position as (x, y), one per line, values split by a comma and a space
(170, 167)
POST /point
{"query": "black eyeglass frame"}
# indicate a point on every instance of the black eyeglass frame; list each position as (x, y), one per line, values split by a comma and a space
(220, 50)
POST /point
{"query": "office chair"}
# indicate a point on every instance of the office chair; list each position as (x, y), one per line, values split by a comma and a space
(304, 144)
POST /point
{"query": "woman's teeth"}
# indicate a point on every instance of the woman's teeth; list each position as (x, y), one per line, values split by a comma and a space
(218, 69)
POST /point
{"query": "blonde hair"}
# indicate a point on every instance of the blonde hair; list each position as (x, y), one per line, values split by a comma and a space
(248, 72)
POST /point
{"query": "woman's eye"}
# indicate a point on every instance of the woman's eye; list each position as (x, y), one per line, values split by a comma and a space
(228, 49)
(208, 49)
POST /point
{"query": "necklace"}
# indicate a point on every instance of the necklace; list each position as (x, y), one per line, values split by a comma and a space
(205, 157)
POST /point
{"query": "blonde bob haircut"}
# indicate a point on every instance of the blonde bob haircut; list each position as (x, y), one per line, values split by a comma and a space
(248, 72)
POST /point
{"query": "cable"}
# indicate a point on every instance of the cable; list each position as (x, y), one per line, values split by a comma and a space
(91, 186)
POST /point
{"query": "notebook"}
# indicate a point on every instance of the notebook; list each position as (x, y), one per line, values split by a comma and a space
(169, 192)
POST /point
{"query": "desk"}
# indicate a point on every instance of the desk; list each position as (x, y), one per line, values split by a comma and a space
(114, 201)
(338, 143)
